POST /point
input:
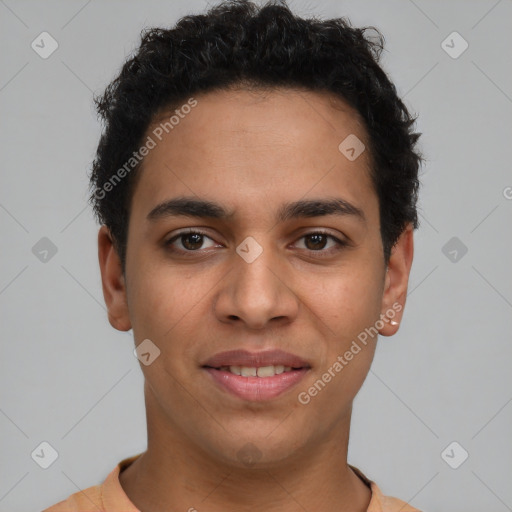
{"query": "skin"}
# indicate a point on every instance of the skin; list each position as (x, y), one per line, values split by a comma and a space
(252, 151)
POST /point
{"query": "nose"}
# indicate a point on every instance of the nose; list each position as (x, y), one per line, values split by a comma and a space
(257, 293)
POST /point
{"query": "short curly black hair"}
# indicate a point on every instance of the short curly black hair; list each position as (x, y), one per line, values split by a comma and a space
(240, 43)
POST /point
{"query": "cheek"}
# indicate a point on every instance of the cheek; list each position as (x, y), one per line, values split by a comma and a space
(169, 306)
(158, 301)
(347, 306)
(349, 301)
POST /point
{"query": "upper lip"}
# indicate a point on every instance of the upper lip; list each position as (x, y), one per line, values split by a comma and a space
(243, 357)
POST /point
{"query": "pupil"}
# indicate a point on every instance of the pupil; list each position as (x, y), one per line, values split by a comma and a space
(318, 237)
(198, 241)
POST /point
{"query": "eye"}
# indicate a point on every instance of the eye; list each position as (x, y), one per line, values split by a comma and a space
(190, 241)
(317, 241)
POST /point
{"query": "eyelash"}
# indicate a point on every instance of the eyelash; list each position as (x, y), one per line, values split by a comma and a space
(319, 253)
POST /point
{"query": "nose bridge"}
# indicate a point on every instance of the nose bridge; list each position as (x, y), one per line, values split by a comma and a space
(255, 291)
(255, 275)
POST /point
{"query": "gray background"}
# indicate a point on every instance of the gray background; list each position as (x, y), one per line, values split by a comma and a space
(69, 379)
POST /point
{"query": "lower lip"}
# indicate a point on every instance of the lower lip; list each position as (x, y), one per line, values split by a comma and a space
(257, 389)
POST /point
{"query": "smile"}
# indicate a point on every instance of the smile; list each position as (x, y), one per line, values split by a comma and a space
(256, 383)
(252, 371)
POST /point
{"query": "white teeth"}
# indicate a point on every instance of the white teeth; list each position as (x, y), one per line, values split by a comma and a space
(266, 371)
(235, 370)
(262, 371)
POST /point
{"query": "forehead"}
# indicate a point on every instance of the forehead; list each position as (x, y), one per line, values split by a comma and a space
(257, 146)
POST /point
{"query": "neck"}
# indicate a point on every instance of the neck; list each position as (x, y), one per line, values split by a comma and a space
(176, 474)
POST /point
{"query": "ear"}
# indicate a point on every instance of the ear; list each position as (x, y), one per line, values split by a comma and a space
(113, 282)
(396, 282)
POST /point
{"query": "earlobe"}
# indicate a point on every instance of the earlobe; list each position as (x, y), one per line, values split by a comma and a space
(396, 282)
(113, 282)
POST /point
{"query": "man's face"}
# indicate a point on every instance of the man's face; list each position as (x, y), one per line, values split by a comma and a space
(197, 295)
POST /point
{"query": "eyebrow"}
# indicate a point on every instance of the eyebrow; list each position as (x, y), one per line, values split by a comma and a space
(202, 209)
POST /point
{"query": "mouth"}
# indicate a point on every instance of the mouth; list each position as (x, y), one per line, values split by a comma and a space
(256, 371)
(256, 376)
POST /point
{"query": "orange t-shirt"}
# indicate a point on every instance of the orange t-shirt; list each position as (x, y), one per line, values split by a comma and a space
(110, 496)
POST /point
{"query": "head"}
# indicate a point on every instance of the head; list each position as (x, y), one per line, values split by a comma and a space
(281, 147)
